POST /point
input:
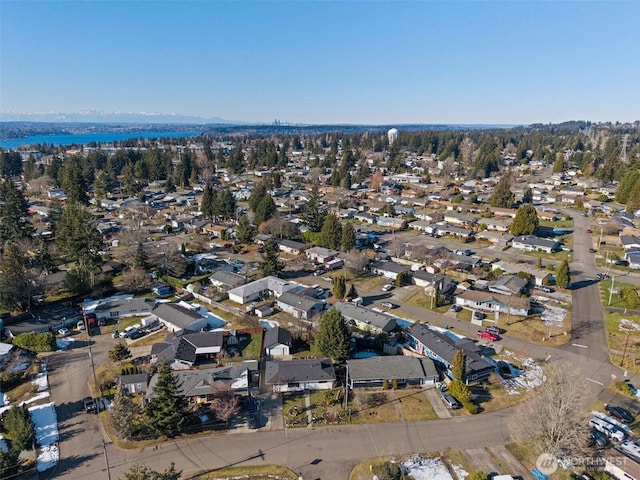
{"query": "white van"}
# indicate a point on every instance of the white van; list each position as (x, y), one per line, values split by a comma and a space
(609, 429)
(129, 331)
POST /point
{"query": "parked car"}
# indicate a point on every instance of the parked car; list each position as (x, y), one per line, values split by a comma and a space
(488, 335)
(632, 388)
(388, 287)
(89, 405)
(599, 438)
(588, 230)
(129, 332)
(317, 273)
(592, 250)
(389, 305)
(456, 308)
(449, 401)
(64, 332)
(621, 263)
(544, 288)
(328, 279)
(620, 413)
(495, 330)
(478, 316)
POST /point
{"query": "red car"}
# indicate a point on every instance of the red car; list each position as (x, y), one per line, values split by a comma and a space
(589, 231)
(488, 335)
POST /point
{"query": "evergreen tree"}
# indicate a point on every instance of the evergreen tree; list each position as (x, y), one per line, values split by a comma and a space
(633, 201)
(166, 411)
(525, 222)
(100, 186)
(73, 180)
(14, 213)
(18, 427)
(458, 367)
(527, 196)
(314, 212)
(41, 260)
(563, 275)
(119, 353)
(10, 164)
(348, 241)
(123, 413)
(331, 233)
(339, 287)
(206, 205)
(265, 210)
(244, 230)
(402, 279)
(77, 238)
(17, 281)
(558, 164)
(333, 338)
(143, 472)
(224, 205)
(257, 194)
(271, 265)
(627, 184)
(502, 196)
(10, 463)
(141, 259)
(353, 293)
(169, 186)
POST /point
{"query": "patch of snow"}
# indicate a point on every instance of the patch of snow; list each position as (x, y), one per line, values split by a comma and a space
(4, 409)
(421, 468)
(47, 458)
(46, 423)
(63, 343)
(553, 316)
(626, 324)
(41, 381)
(460, 472)
(39, 396)
(529, 376)
(269, 324)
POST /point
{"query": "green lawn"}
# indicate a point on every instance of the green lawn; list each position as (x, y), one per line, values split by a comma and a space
(616, 300)
(557, 223)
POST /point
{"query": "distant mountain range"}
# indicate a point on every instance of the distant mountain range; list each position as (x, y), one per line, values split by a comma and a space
(95, 116)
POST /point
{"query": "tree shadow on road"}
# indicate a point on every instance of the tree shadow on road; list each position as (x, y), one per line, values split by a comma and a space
(68, 464)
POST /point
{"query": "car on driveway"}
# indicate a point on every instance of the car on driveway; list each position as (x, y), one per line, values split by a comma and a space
(388, 305)
(89, 405)
(64, 332)
(478, 316)
(456, 308)
(388, 287)
(620, 413)
(632, 388)
(317, 273)
(488, 335)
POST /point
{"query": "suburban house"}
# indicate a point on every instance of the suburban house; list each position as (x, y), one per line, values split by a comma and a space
(291, 247)
(225, 280)
(441, 347)
(508, 285)
(199, 386)
(179, 319)
(161, 289)
(321, 254)
(118, 306)
(496, 224)
(260, 289)
(277, 342)
(460, 219)
(494, 302)
(366, 217)
(531, 243)
(365, 319)
(540, 276)
(300, 375)
(134, 384)
(300, 303)
(446, 229)
(196, 347)
(391, 222)
(445, 285)
(405, 370)
(630, 242)
(164, 351)
(261, 238)
(388, 269)
(420, 225)
(501, 239)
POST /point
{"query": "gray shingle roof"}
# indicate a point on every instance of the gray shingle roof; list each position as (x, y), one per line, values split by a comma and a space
(351, 311)
(390, 367)
(304, 370)
(175, 314)
(276, 336)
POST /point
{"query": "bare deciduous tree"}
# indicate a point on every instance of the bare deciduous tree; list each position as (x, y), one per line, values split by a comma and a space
(136, 279)
(356, 262)
(553, 421)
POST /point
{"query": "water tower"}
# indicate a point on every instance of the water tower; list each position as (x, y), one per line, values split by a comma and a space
(393, 135)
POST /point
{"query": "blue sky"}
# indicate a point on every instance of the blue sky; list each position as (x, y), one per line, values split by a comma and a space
(325, 62)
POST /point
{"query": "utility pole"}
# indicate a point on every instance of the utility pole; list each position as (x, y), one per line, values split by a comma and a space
(624, 351)
(613, 281)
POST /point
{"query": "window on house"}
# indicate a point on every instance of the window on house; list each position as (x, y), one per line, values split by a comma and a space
(114, 314)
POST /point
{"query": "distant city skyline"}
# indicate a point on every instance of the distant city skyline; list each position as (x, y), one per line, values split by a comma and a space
(365, 62)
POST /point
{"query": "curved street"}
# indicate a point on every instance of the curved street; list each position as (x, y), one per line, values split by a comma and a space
(327, 452)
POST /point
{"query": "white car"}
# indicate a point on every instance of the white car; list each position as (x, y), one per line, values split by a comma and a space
(129, 331)
(64, 332)
(387, 287)
(388, 305)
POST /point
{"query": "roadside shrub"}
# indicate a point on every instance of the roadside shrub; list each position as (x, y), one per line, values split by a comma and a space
(624, 388)
(470, 407)
(36, 342)
(478, 475)
(460, 391)
(386, 471)
(375, 400)
(394, 384)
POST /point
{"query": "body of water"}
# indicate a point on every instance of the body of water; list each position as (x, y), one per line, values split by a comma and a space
(85, 138)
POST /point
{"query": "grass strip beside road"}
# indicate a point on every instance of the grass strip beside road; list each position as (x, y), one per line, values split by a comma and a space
(257, 472)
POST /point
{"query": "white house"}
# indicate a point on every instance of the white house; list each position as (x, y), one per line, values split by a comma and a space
(321, 255)
(277, 342)
(260, 289)
(492, 302)
(531, 243)
(179, 319)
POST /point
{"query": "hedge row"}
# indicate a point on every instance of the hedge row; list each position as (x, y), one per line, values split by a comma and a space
(36, 342)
